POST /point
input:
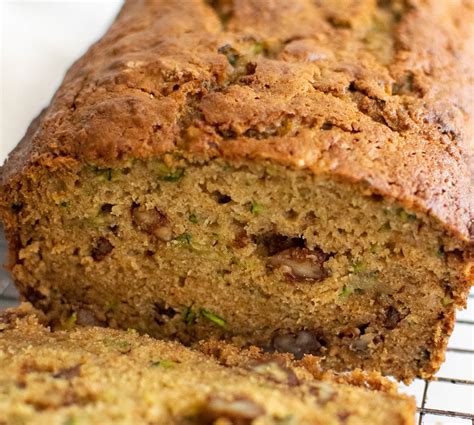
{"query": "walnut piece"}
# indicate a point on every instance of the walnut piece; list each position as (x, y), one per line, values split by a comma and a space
(301, 263)
(153, 222)
(101, 249)
(304, 342)
(275, 371)
(238, 410)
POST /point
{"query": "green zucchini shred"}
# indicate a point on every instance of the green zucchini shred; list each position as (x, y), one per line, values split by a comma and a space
(189, 316)
(257, 48)
(405, 216)
(175, 176)
(346, 291)
(104, 173)
(71, 321)
(184, 238)
(165, 363)
(256, 208)
(214, 318)
(358, 267)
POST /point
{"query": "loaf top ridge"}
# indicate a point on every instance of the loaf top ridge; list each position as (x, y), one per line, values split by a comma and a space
(376, 92)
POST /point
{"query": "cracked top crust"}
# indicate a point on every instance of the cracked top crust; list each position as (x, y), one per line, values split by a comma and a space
(376, 92)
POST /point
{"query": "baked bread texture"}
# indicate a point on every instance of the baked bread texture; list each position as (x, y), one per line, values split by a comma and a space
(292, 175)
(94, 375)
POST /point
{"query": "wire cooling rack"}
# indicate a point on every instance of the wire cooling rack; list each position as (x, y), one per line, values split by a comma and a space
(449, 400)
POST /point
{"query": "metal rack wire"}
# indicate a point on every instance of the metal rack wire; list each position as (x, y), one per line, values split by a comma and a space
(423, 390)
(444, 415)
(423, 411)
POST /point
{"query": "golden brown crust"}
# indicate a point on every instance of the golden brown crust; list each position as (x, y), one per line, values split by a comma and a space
(373, 92)
(229, 355)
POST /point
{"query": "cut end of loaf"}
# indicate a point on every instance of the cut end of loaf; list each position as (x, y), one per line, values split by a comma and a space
(256, 253)
(95, 375)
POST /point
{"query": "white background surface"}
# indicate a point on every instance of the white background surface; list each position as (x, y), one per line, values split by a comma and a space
(40, 39)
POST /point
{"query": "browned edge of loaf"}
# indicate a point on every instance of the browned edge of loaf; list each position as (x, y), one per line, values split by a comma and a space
(397, 119)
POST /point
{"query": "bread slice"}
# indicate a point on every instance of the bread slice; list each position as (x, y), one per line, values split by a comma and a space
(93, 375)
(284, 174)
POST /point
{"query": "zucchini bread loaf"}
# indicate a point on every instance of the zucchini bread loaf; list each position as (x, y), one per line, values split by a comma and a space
(99, 376)
(295, 175)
